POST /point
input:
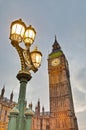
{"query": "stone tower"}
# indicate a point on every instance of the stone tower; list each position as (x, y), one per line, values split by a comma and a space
(61, 102)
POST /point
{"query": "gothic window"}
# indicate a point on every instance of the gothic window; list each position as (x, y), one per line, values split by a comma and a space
(5, 114)
(0, 108)
(38, 124)
(57, 123)
(67, 103)
(0, 111)
(47, 127)
(65, 84)
(35, 124)
(43, 124)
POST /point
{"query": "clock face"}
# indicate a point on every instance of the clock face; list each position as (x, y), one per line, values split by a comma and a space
(55, 62)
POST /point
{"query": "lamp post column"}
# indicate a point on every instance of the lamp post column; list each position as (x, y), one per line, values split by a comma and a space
(23, 78)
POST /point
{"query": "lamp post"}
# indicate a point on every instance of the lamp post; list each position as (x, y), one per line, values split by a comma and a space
(19, 117)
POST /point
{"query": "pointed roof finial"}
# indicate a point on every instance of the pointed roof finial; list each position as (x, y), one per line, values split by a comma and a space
(2, 91)
(30, 105)
(56, 45)
(11, 96)
(42, 108)
(38, 102)
(55, 39)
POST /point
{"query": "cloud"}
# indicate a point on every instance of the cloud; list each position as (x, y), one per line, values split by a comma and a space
(79, 100)
(78, 85)
(81, 77)
(81, 116)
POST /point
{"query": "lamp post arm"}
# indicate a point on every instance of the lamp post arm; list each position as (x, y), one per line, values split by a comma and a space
(20, 52)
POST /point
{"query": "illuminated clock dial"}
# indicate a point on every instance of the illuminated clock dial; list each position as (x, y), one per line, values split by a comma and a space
(55, 62)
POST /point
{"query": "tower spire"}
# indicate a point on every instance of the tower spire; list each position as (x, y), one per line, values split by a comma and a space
(56, 45)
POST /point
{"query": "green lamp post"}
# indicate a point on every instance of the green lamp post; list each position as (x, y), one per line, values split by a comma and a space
(19, 117)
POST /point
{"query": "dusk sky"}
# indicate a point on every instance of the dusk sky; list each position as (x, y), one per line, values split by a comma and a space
(64, 18)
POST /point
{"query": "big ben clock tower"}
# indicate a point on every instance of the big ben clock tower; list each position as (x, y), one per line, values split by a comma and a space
(60, 95)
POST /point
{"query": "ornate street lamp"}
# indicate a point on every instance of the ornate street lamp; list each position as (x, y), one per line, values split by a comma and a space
(18, 119)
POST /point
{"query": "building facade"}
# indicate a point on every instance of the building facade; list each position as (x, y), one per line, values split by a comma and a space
(5, 106)
(61, 115)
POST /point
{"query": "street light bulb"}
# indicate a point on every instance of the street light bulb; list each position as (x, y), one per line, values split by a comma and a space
(36, 57)
(17, 30)
(29, 36)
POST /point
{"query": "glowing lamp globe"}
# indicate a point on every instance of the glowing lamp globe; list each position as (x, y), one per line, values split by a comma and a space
(36, 57)
(29, 36)
(17, 30)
